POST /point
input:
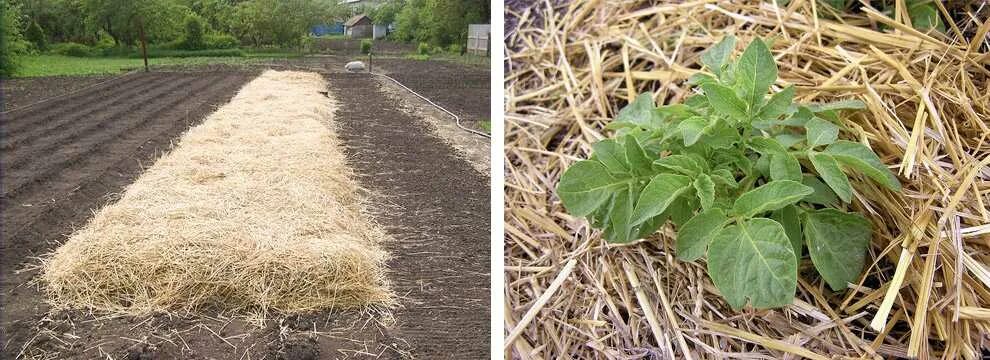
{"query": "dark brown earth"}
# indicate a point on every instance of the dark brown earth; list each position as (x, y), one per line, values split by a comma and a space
(20, 92)
(464, 90)
(438, 216)
(63, 160)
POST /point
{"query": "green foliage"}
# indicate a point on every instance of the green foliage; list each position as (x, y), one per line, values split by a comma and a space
(193, 38)
(220, 41)
(181, 53)
(424, 48)
(748, 179)
(455, 49)
(366, 46)
(386, 12)
(924, 15)
(276, 22)
(73, 49)
(12, 43)
(36, 36)
(440, 22)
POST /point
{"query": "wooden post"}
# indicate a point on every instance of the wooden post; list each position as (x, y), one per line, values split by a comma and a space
(144, 44)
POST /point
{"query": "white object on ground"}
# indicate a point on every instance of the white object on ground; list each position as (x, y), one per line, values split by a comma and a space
(354, 66)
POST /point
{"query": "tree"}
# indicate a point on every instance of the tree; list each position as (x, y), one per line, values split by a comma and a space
(36, 36)
(193, 39)
(12, 44)
(387, 12)
(439, 22)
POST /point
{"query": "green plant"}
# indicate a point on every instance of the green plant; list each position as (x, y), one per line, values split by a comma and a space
(12, 44)
(748, 179)
(36, 36)
(366, 46)
(455, 49)
(72, 49)
(423, 49)
(193, 39)
(221, 41)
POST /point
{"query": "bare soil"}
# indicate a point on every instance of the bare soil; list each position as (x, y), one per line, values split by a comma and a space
(62, 160)
(438, 216)
(20, 92)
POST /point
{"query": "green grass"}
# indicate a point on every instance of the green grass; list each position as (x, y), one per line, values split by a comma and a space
(55, 65)
(486, 125)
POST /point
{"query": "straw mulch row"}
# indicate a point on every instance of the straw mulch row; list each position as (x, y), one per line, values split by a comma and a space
(926, 288)
(254, 211)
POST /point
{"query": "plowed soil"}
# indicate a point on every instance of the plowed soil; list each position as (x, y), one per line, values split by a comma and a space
(62, 160)
(438, 216)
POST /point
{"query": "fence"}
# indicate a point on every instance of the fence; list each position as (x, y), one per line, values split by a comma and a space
(479, 39)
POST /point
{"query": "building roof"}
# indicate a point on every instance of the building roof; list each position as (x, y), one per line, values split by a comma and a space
(355, 19)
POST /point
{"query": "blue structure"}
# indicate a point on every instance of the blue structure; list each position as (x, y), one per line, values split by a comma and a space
(324, 29)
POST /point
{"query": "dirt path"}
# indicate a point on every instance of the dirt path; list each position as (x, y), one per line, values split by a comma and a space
(437, 212)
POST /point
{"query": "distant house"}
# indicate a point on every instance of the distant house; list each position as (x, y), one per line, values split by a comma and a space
(361, 27)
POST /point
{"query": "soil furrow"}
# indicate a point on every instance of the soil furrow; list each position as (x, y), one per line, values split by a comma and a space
(78, 176)
(28, 118)
(91, 140)
(67, 127)
(445, 214)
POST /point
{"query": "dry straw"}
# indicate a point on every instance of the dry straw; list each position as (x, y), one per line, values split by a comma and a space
(255, 210)
(926, 289)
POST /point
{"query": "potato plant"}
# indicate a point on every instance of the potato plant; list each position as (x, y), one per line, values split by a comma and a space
(748, 177)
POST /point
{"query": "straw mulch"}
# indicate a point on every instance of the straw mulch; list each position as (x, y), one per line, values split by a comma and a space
(925, 290)
(255, 210)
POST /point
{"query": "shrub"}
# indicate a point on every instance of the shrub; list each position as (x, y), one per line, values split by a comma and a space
(36, 36)
(221, 41)
(423, 49)
(455, 49)
(12, 43)
(72, 49)
(366, 46)
(437, 50)
(193, 39)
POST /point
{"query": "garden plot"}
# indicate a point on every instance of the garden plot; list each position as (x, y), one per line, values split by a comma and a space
(243, 214)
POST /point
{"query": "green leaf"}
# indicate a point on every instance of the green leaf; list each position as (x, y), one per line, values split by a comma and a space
(753, 259)
(788, 140)
(692, 128)
(788, 217)
(828, 168)
(640, 113)
(721, 136)
(693, 237)
(861, 158)
(611, 154)
(585, 186)
(680, 164)
(658, 194)
(823, 195)
(725, 177)
(636, 158)
(924, 16)
(778, 104)
(821, 132)
(771, 196)
(784, 166)
(705, 188)
(725, 102)
(755, 72)
(717, 55)
(837, 242)
(620, 227)
(681, 210)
